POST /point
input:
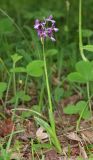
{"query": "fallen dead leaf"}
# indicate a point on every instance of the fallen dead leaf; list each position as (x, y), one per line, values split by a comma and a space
(87, 135)
(83, 152)
(41, 134)
(73, 136)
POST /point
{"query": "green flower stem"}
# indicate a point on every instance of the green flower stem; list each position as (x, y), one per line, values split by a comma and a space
(14, 80)
(26, 80)
(80, 32)
(48, 88)
(41, 97)
(88, 94)
(51, 115)
(15, 107)
(6, 96)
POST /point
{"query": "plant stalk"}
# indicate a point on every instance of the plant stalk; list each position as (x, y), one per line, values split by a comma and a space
(80, 32)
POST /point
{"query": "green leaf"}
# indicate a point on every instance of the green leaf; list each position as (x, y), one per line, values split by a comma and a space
(16, 57)
(71, 109)
(88, 48)
(58, 93)
(87, 33)
(36, 108)
(21, 96)
(18, 70)
(26, 114)
(86, 114)
(83, 106)
(80, 108)
(84, 72)
(85, 69)
(76, 77)
(50, 131)
(35, 68)
(51, 52)
(52, 120)
(45, 125)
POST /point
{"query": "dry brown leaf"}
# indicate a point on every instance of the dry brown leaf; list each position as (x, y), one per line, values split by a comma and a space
(41, 134)
(73, 136)
(87, 135)
(83, 152)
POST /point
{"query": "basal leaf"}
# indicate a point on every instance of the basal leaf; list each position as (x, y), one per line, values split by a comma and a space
(16, 57)
(51, 52)
(18, 69)
(35, 68)
(88, 48)
(76, 77)
(87, 33)
(71, 109)
(85, 69)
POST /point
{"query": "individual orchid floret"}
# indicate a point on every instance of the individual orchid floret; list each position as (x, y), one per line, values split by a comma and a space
(50, 19)
(46, 28)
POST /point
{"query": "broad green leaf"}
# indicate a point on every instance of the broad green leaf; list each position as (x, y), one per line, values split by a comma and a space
(76, 77)
(51, 52)
(36, 108)
(87, 33)
(26, 114)
(86, 113)
(58, 93)
(21, 96)
(88, 48)
(85, 69)
(83, 107)
(16, 57)
(18, 69)
(80, 108)
(25, 97)
(35, 68)
(71, 109)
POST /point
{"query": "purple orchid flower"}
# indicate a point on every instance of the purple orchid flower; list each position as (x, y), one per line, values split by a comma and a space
(50, 19)
(43, 30)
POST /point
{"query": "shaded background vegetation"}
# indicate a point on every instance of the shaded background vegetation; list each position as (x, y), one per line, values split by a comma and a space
(17, 34)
